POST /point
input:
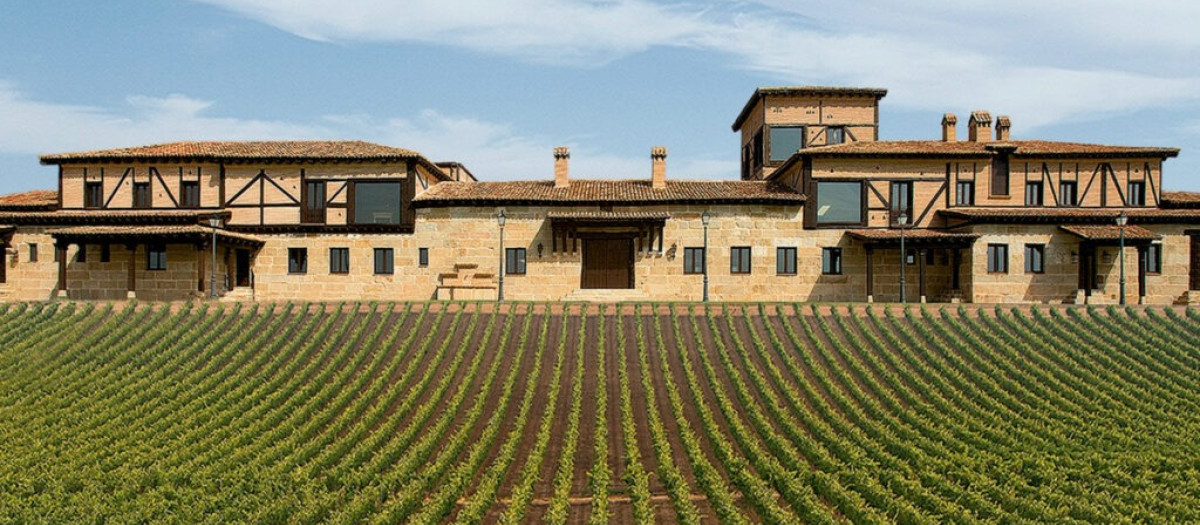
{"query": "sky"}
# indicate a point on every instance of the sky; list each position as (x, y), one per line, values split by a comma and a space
(497, 84)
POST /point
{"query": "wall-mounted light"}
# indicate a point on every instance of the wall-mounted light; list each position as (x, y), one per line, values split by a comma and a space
(1074, 257)
(671, 251)
(540, 250)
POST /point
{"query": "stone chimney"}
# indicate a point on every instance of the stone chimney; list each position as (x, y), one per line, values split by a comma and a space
(1003, 125)
(658, 167)
(978, 128)
(949, 130)
(562, 157)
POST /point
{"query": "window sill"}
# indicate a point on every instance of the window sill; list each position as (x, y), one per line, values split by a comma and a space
(793, 274)
(298, 273)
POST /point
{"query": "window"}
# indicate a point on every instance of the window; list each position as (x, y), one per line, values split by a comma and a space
(831, 261)
(33, 252)
(997, 258)
(156, 257)
(1035, 258)
(739, 259)
(835, 135)
(422, 257)
(1000, 175)
(385, 261)
(964, 193)
(902, 201)
(785, 261)
(314, 202)
(141, 195)
(339, 260)
(1154, 258)
(1033, 193)
(81, 255)
(693, 260)
(839, 203)
(514, 261)
(1136, 194)
(105, 253)
(298, 260)
(757, 145)
(376, 203)
(93, 195)
(785, 140)
(1066, 193)
(56, 253)
(189, 194)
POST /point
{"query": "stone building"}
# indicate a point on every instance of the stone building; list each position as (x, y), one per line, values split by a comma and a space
(820, 214)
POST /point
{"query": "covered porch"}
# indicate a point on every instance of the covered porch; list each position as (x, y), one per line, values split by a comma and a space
(6, 234)
(924, 248)
(609, 244)
(174, 261)
(1094, 237)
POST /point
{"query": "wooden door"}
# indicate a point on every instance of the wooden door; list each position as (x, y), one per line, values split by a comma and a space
(1087, 268)
(313, 210)
(607, 263)
(1194, 267)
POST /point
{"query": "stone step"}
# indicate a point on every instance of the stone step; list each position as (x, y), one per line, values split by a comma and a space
(605, 296)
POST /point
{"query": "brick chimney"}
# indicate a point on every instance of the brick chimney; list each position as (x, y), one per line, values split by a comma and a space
(949, 129)
(1003, 125)
(562, 157)
(658, 167)
(978, 128)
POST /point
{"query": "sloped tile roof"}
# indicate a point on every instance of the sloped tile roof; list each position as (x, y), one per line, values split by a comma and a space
(1053, 215)
(1180, 199)
(966, 148)
(297, 150)
(609, 215)
(1110, 233)
(815, 91)
(30, 200)
(185, 232)
(585, 192)
(151, 216)
(915, 233)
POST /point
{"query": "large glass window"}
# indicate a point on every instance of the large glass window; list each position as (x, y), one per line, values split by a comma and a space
(377, 202)
(786, 140)
(839, 202)
(693, 260)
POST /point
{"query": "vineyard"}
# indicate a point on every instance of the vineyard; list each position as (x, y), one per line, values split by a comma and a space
(514, 413)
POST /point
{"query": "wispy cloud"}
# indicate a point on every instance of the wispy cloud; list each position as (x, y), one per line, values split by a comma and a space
(1039, 62)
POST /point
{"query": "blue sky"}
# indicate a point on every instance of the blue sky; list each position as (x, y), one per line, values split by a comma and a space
(497, 84)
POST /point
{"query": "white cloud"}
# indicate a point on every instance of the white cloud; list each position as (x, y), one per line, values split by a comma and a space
(1038, 62)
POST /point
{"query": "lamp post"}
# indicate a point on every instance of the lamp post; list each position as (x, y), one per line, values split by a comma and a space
(704, 219)
(901, 221)
(500, 218)
(1122, 220)
(215, 222)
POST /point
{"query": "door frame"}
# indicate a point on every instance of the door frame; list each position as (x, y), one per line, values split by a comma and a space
(586, 237)
(242, 279)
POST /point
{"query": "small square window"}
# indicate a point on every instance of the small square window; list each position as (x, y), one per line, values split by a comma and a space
(339, 260)
(785, 261)
(1035, 258)
(1067, 193)
(298, 260)
(1136, 194)
(514, 261)
(739, 260)
(385, 261)
(835, 135)
(422, 257)
(156, 257)
(997, 258)
(831, 261)
(1033, 193)
(189, 194)
(693, 260)
(93, 195)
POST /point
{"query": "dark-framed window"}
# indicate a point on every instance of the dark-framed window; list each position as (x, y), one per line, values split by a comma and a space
(314, 202)
(835, 135)
(81, 254)
(739, 259)
(376, 202)
(831, 261)
(964, 193)
(693, 260)
(1035, 258)
(93, 194)
(189, 194)
(1033, 193)
(997, 258)
(1154, 254)
(156, 257)
(33, 252)
(1000, 175)
(1135, 195)
(339, 260)
(422, 257)
(786, 141)
(757, 145)
(514, 261)
(902, 201)
(839, 202)
(1068, 193)
(785, 261)
(385, 261)
(298, 260)
(105, 253)
(141, 195)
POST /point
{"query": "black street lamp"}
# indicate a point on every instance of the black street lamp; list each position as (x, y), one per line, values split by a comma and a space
(704, 219)
(215, 222)
(1122, 220)
(500, 218)
(901, 221)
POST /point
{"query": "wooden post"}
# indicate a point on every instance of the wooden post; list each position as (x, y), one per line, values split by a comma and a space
(1143, 263)
(870, 274)
(921, 274)
(131, 283)
(61, 249)
(3, 262)
(955, 262)
(201, 250)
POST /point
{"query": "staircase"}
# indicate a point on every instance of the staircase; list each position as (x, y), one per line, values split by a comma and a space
(238, 294)
(605, 296)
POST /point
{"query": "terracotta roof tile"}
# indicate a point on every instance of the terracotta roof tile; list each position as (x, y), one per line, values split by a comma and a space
(814, 91)
(915, 233)
(966, 148)
(195, 232)
(299, 150)
(30, 200)
(584, 192)
(609, 215)
(1181, 199)
(107, 216)
(1111, 233)
(1071, 215)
